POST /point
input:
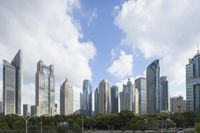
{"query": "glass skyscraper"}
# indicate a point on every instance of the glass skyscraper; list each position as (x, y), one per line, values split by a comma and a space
(153, 87)
(164, 94)
(96, 101)
(104, 98)
(114, 99)
(140, 84)
(45, 89)
(12, 85)
(86, 98)
(66, 98)
(193, 84)
(127, 97)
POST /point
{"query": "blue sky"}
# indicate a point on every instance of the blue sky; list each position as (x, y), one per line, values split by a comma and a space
(110, 39)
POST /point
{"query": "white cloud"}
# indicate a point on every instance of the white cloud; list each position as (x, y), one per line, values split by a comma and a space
(92, 16)
(45, 30)
(168, 30)
(121, 67)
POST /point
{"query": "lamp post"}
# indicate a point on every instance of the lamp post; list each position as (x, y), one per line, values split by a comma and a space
(26, 119)
(41, 121)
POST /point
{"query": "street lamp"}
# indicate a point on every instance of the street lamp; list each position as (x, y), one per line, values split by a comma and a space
(41, 121)
(26, 119)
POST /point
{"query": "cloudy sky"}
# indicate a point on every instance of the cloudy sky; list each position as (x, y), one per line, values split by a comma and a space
(109, 39)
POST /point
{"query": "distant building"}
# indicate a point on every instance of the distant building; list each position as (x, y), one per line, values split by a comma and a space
(136, 101)
(25, 109)
(96, 101)
(86, 97)
(153, 87)
(33, 110)
(127, 97)
(140, 84)
(1, 107)
(104, 98)
(45, 89)
(193, 84)
(177, 104)
(164, 94)
(56, 108)
(114, 99)
(12, 85)
(66, 98)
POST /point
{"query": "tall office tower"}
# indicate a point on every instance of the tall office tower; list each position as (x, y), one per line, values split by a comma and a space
(66, 98)
(153, 87)
(177, 104)
(193, 84)
(86, 98)
(96, 101)
(114, 99)
(104, 97)
(25, 109)
(12, 85)
(33, 110)
(136, 101)
(127, 97)
(1, 107)
(140, 84)
(45, 89)
(164, 94)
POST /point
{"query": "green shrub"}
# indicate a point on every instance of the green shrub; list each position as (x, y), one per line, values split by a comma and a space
(197, 127)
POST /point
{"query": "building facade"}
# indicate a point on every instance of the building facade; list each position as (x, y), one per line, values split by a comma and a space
(153, 87)
(164, 94)
(114, 99)
(86, 98)
(12, 85)
(45, 89)
(177, 104)
(66, 98)
(104, 98)
(96, 101)
(140, 84)
(193, 83)
(127, 97)
(25, 109)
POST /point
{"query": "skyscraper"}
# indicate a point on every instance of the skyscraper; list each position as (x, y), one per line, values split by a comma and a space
(193, 84)
(164, 94)
(127, 97)
(66, 98)
(177, 104)
(25, 109)
(114, 99)
(45, 89)
(86, 98)
(96, 101)
(153, 87)
(12, 85)
(140, 84)
(104, 98)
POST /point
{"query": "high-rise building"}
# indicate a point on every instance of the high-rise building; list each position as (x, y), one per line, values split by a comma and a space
(25, 109)
(193, 83)
(66, 98)
(153, 87)
(114, 99)
(86, 98)
(127, 97)
(164, 94)
(45, 89)
(96, 101)
(33, 110)
(104, 98)
(1, 107)
(12, 85)
(177, 104)
(140, 84)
